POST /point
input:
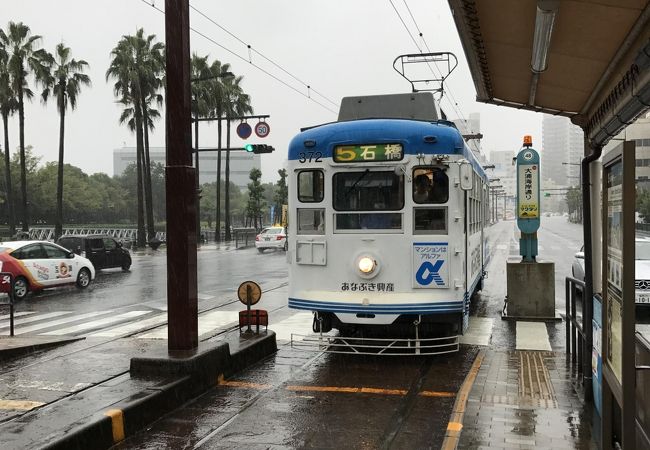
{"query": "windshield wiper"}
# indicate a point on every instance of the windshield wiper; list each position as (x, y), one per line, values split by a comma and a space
(349, 191)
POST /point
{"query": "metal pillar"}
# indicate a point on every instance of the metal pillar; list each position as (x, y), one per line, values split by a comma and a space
(182, 305)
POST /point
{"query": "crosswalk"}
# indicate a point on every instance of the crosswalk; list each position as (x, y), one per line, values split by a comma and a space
(146, 323)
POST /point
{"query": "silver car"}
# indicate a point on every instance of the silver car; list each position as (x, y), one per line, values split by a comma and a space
(641, 269)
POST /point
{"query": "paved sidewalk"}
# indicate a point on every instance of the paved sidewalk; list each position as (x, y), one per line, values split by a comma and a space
(526, 399)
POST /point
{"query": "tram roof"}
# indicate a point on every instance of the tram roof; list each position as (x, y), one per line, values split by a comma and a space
(323, 138)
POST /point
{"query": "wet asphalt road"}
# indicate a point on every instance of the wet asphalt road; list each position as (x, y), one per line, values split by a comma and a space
(303, 400)
(220, 271)
(307, 401)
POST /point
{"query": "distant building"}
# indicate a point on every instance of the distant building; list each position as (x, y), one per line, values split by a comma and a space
(504, 170)
(241, 164)
(471, 126)
(562, 142)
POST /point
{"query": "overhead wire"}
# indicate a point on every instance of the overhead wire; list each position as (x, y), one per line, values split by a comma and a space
(151, 3)
(251, 48)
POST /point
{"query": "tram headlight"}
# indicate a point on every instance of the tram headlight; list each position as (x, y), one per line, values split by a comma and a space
(366, 265)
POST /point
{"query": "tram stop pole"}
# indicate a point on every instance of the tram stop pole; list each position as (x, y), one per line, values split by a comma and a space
(537, 300)
(180, 176)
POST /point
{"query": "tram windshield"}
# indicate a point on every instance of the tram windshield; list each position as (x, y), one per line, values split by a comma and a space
(378, 193)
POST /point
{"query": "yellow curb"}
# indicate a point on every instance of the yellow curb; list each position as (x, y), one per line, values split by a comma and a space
(455, 424)
(117, 420)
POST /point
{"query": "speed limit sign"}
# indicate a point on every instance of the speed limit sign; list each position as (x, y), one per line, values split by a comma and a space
(262, 129)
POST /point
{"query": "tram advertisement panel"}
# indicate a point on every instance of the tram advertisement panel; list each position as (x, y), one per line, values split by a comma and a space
(430, 265)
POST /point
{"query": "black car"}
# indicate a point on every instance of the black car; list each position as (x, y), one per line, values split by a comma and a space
(102, 250)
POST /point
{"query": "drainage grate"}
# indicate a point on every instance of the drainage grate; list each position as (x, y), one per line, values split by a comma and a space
(535, 387)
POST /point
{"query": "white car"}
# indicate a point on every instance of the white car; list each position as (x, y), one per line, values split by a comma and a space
(38, 265)
(641, 269)
(272, 237)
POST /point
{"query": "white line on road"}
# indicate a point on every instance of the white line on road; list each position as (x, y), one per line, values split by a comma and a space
(37, 318)
(40, 326)
(299, 323)
(97, 323)
(532, 336)
(132, 327)
(210, 321)
(478, 332)
(18, 314)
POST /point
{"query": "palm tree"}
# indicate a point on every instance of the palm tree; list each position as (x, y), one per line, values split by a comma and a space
(65, 81)
(239, 104)
(202, 106)
(8, 105)
(219, 71)
(24, 56)
(137, 64)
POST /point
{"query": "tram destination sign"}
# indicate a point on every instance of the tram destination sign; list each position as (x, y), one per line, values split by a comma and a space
(368, 153)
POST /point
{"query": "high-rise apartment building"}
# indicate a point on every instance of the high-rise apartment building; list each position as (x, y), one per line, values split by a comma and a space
(562, 151)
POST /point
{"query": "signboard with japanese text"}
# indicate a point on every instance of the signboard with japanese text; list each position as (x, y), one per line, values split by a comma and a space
(368, 153)
(430, 265)
(528, 212)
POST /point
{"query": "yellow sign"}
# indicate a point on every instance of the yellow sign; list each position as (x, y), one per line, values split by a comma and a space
(528, 210)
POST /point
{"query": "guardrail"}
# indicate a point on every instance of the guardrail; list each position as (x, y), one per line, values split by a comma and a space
(578, 332)
(123, 234)
(244, 237)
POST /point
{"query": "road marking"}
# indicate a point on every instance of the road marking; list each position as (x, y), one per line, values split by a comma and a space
(16, 314)
(38, 317)
(204, 296)
(132, 327)
(298, 323)
(532, 336)
(456, 420)
(21, 405)
(337, 389)
(208, 322)
(478, 332)
(29, 329)
(97, 323)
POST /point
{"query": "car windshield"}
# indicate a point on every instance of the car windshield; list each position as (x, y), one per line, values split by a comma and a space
(642, 250)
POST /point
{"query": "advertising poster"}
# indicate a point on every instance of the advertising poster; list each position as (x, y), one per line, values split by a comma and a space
(430, 265)
(615, 268)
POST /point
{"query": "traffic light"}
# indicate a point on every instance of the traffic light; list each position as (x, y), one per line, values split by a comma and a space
(258, 148)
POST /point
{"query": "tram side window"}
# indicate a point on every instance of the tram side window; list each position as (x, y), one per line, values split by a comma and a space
(311, 221)
(311, 186)
(430, 185)
(430, 220)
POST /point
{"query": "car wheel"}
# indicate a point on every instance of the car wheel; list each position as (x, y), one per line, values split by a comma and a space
(21, 288)
(83, 279)
(261, 250)
(126, 266)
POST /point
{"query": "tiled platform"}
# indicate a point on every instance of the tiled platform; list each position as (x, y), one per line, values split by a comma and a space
(526, 400)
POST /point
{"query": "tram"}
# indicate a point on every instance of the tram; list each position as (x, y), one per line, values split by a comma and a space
(387, 214)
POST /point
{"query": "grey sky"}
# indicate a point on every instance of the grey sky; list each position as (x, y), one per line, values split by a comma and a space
(339, 48)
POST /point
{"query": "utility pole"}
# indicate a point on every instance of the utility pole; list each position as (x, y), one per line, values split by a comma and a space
(180, 183)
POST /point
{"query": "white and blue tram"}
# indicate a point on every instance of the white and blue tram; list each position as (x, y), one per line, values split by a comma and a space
(387, 210)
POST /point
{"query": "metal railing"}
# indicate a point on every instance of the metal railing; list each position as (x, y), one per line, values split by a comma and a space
(244, 237)
(642, 353)
(578, 332)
